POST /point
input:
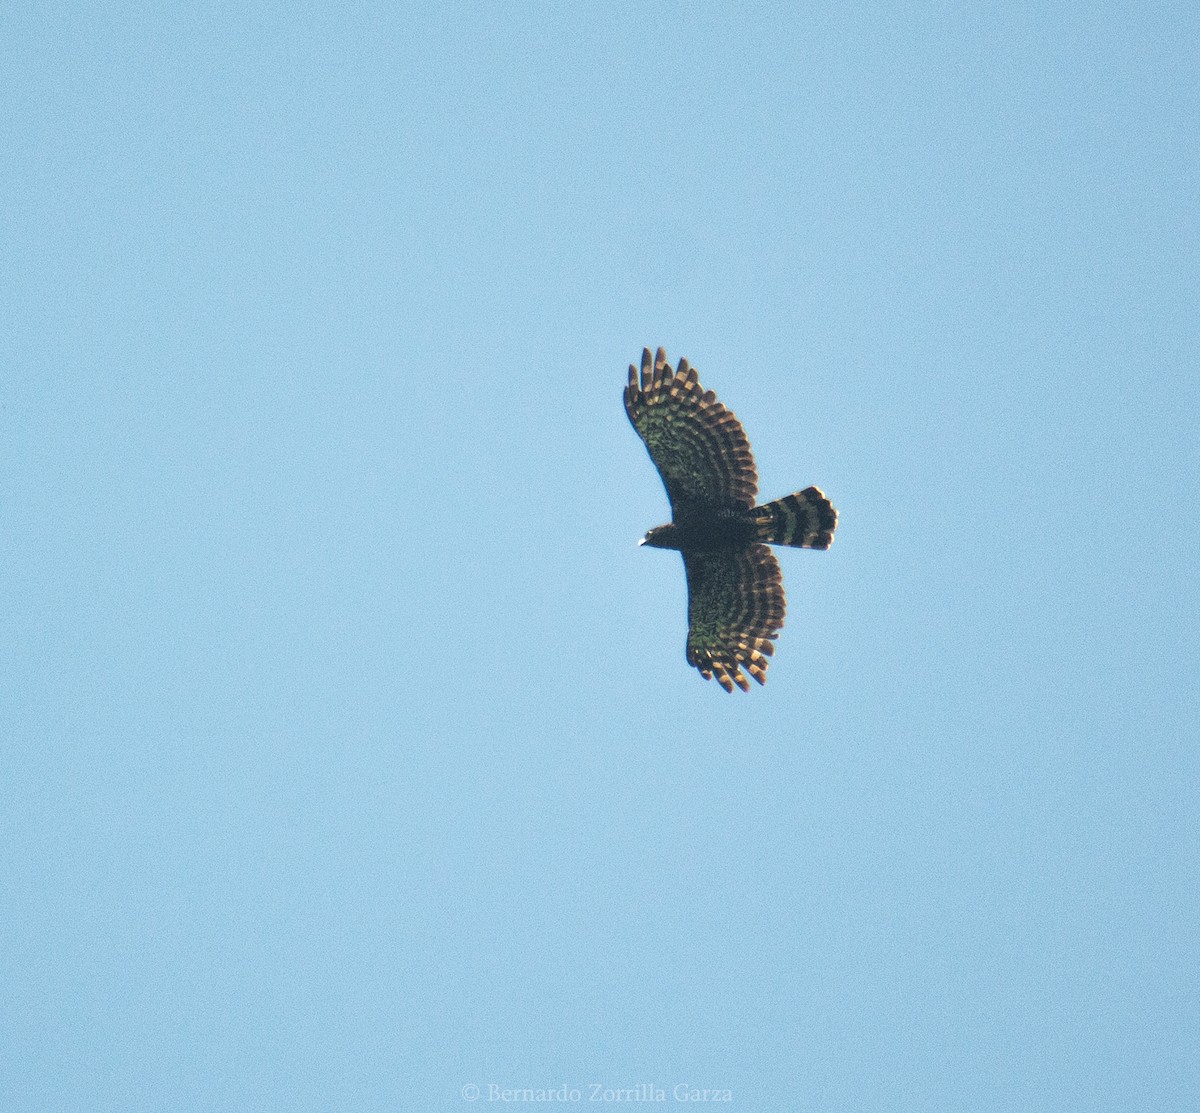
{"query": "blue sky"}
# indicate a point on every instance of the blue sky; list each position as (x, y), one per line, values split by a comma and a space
(351, 759)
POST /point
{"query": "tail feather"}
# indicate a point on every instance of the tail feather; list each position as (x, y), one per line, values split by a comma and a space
(805, 520)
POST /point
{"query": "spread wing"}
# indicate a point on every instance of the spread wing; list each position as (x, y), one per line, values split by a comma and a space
(735, 607)
(698, 446)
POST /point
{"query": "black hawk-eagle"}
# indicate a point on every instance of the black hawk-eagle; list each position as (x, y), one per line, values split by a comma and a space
(735, 590)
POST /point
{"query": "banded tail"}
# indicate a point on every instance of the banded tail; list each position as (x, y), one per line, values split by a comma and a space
(805, 520)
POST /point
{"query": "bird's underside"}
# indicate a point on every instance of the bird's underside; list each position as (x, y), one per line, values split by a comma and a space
(736, 602)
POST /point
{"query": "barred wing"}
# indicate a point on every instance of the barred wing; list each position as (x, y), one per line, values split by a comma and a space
(735, 607)
(698, 446)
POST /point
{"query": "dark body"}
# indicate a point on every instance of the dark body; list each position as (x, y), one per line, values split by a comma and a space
(707, 530)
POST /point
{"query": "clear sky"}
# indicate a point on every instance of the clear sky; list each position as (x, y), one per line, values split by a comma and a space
(350, 756)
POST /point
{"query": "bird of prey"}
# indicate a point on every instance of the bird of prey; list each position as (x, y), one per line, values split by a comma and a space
(735, 590)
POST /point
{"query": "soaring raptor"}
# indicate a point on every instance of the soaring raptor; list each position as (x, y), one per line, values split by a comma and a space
(735, 591)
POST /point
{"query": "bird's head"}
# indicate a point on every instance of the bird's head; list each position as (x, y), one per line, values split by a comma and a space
(661, 537)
